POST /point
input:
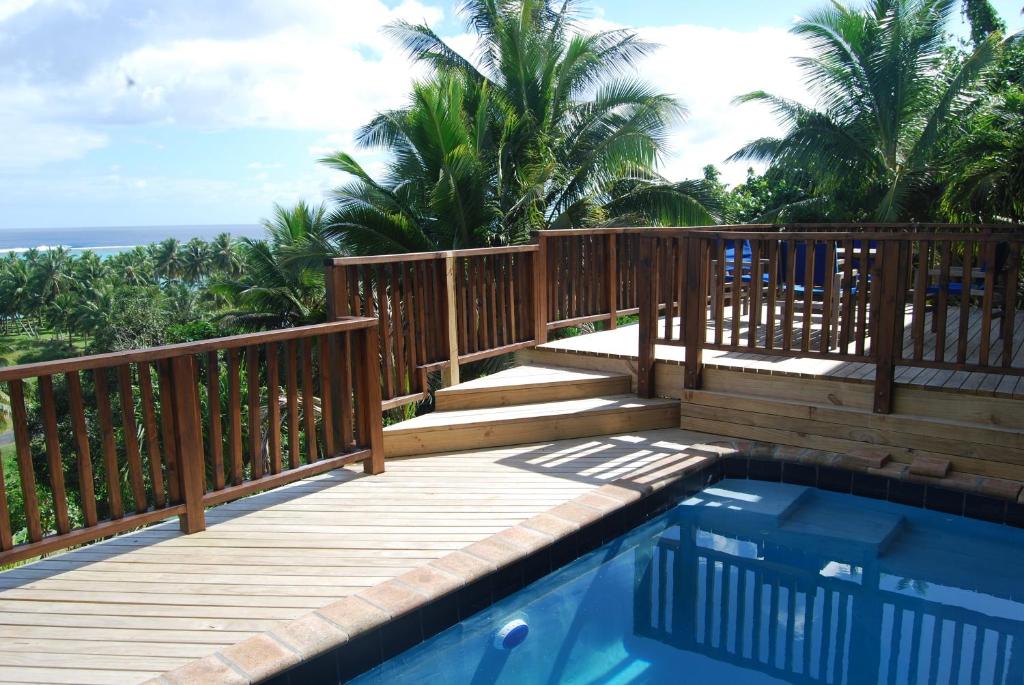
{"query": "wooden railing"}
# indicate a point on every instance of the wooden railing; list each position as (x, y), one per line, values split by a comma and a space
(437, 310)
(929, 297)
(107, 443)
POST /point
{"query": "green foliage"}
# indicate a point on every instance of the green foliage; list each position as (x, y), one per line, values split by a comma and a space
(886, 104)
(547, 130)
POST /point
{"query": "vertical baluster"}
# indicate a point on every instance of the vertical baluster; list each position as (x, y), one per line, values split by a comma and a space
(480, 299)
(920, 291)
(417, 333)
(291, 389)
(86, 488)
(773, 291)
(103, 412)
(466, 312)
(273, 408)
(828, 319)
(23, 455)
(326, 396)
(156, 472)
(235, 417)
(869, 284)
(500, 283)
(54, 462)
(718, 299)
(787, 326)
(736, 290)
(989, 265)
(1010, 302)
(808, 285)
(131, 438)
(847, 296)
(346, 391)
(386, 340)
(754, 323)
(942, 302)
(492, 289)
(215, 437)
(252, 370)
(6, 534)
(352, 281)
(398, 330)
(965, 302)
(167, 433)
(308, 408)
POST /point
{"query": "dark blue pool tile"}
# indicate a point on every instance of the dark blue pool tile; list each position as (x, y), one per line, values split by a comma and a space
(799, 474)
(985, 508)
(590, 537)
(564, 551)
(321, 669)
(358, 655)
(536, 566)
(439, 615)
(508, 580)
(735, 467)
(836, 480)
(474, 597)
(761, 469)
(400, 634)
(1015, 514)
(868, 485)
(946, 501)
(904, 492)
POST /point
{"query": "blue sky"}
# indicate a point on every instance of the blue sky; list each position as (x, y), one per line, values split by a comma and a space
(124, 112)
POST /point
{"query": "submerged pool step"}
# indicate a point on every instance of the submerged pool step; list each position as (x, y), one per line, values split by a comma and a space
(467, 429)
(531, 384)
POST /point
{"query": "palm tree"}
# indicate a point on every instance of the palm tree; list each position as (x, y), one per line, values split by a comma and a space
(985, 165)
(225, 255)
(885, 105)
(548, 132)
(167, 259)
(195, 261)
(281, 282)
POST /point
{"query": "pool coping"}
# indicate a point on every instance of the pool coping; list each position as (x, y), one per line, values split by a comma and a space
(356, 633)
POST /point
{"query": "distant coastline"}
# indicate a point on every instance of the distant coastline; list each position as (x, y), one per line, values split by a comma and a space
(110, 240)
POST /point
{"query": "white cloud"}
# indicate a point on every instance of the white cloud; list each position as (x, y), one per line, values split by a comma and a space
(707, 68)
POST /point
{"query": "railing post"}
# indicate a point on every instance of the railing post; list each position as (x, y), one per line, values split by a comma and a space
(647, 301)
(694, 312)
(336, 280)
(884, 347)
(367, 382)
(540, 290)
(613, 280)
(450, 375)
(188, 435)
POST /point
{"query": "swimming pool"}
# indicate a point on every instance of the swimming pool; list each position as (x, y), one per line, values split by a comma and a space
(757, 582)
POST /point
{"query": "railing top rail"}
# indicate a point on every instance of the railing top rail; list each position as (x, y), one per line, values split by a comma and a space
(835, 235)
(110, 359)
(426, 256)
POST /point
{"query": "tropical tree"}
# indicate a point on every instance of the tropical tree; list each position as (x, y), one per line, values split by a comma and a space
(885, 104)
(224, 254)
(195, 261)
(167, 259)
(545, 130)
(281, 280)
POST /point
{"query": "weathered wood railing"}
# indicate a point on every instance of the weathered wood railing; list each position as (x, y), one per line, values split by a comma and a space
(857, 296)
(111, 442)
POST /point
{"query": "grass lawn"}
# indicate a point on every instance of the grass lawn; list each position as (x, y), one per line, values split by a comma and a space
(21, 347)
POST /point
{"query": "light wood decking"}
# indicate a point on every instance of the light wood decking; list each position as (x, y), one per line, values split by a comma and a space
(124, 610)
(622, 342)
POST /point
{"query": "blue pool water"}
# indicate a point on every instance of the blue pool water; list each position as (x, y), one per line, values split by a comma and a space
(753, 582)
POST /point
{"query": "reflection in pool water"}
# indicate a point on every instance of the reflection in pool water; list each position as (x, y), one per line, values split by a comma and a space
(752, 582)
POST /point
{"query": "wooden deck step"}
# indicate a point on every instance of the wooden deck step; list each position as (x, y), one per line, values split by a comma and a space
(530, 384)
(527, 423)
(973, 448)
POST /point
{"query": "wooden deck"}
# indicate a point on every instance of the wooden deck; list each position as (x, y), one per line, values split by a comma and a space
(129, 608)
(622, 342)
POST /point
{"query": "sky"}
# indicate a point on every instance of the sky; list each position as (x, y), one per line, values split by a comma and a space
(174, 112)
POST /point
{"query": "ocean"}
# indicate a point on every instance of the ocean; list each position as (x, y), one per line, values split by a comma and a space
(105, 241)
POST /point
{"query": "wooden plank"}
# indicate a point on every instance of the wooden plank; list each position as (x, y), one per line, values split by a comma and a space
(253, 413)
(308, 405)
(187, 429)
(83, 457)
(454, 334)
(131, 438)
(110, 465)
(398, 330)
(274, 408)
(6, 534)
(149, 425)
(235, 418)
(54, 463)
(214, 435)
(291, 390)
(167, 434)
(326, 396)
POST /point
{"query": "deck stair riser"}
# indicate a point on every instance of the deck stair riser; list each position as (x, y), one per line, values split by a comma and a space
(971, 448)
(529, 423)
(531, 384)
